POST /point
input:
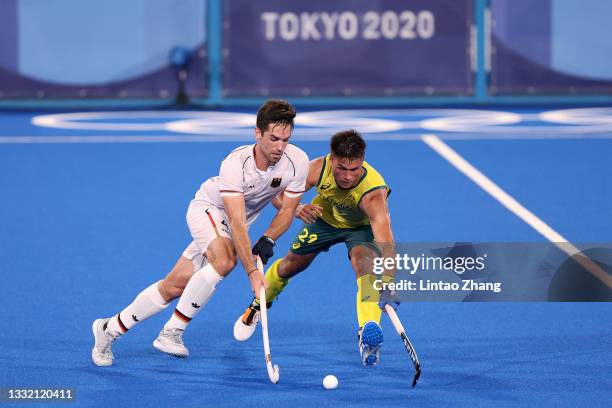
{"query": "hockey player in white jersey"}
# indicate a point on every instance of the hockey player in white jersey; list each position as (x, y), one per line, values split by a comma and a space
(218, 218)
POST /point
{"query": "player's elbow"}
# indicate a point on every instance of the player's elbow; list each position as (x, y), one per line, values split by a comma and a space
(381, 222)
(277, 201)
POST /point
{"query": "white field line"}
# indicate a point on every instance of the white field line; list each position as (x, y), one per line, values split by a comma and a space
(514, 206)
(115, 139)
(374, 137)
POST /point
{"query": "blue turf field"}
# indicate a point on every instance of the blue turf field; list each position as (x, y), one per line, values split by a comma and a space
(86, 226)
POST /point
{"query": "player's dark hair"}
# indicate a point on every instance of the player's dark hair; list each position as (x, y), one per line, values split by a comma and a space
(348, 144)
(275, 111)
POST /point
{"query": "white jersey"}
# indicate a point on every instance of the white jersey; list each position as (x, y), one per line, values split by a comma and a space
(239, 176)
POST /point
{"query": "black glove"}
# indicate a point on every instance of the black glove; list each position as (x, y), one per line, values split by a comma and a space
(263, 248)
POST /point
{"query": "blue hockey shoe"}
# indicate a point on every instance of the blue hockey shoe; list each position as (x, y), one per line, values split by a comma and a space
(370, 340)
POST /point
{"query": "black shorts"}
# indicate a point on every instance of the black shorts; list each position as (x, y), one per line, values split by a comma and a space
(320, 236)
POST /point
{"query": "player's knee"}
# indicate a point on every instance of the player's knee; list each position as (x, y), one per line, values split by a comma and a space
(224, 266)
(362, 261)
(294, 267)
(284, 268)
(363, 267)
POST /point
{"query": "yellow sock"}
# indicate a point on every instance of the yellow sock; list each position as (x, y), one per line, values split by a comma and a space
(367, 300)
(276, 284)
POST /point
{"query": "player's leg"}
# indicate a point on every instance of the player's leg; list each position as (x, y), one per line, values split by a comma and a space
(197, 293)
(172, 286)
(367, 298)
(282, 270)
(215, 259)
(362, 252)
(149, 302)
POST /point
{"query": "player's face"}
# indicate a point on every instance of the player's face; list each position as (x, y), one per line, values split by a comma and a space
(347, 172)
(273, 141)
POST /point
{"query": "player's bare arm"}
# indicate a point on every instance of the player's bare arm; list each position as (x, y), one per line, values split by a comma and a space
(305, 211)
(283, 218)
(236, 213)
(374, 204)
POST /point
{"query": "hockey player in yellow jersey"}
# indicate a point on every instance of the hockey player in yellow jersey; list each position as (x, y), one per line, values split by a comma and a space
(350, 207)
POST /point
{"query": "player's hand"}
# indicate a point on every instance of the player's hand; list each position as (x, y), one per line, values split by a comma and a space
(257, 280)
(308, 212)
(388, 297)
(263, 248)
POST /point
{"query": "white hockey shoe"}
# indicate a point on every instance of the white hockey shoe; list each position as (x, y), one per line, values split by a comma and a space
(102, 354)
(247, 323)
(170, 341)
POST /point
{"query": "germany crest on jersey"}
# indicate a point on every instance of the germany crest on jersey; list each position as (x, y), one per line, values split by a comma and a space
(276, 182)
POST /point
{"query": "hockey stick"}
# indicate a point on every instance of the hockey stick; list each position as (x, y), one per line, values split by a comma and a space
(273, 370)
(409, 347)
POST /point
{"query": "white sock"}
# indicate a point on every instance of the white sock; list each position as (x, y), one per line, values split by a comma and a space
(148, 303)
(196, 295)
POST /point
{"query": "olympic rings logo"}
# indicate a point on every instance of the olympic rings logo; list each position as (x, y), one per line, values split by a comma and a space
(320, 125)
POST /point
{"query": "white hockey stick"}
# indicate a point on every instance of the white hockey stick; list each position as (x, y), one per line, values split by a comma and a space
(273, 370)
(409, 347)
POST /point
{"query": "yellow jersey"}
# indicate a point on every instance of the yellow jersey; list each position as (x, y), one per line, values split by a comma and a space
(341, 206)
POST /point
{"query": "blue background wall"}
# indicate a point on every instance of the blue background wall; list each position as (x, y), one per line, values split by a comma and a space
(63, 48)
(581, 38)
(91, 52)
(89, 42)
